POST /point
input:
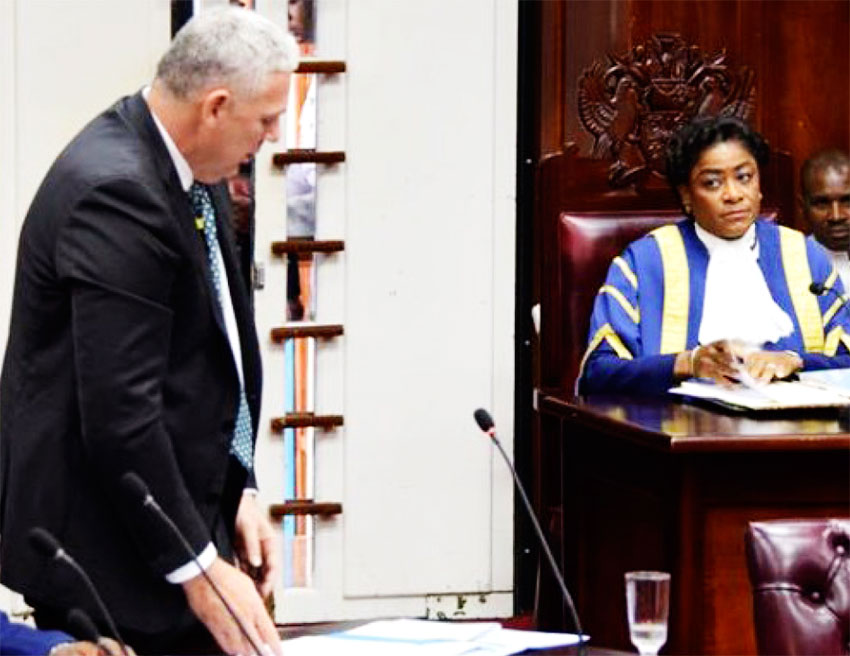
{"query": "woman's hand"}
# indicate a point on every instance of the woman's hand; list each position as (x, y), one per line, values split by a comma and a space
(716, 360)
(766, 366)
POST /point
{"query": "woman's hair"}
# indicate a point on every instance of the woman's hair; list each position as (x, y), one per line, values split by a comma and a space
(688, 143)
(229, 46)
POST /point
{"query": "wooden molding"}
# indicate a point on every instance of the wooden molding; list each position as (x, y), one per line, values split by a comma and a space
(306, 419)
(320, 331)
(307, 155)
(305, 507)
(324, 66)
(299, 246)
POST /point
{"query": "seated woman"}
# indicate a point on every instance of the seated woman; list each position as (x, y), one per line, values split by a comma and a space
(719, 293)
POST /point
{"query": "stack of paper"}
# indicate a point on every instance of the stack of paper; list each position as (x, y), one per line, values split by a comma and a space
(406, 637)
(780, 395)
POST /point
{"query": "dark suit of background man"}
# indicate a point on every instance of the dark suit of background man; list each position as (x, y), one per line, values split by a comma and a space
(825, 200)
(122, 356)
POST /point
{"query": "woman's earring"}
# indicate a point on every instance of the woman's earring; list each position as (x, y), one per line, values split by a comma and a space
(687, 208)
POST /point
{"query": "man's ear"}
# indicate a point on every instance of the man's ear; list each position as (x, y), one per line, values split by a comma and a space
(214, 103)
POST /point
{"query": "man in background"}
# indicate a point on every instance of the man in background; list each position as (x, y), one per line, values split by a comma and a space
(132, 348)
(825, 200)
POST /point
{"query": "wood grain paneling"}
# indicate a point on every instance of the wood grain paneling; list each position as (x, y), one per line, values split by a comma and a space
(799, 49)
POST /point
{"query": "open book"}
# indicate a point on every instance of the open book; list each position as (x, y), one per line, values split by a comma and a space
(808, 392)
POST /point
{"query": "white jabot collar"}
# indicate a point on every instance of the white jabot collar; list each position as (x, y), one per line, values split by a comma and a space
(184, 171)
(841, 262)
(737, 304)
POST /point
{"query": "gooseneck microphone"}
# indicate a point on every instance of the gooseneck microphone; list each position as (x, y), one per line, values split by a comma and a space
(82, 627)
(49, 547)
(820, 288)
(485, 423)
(137, 489)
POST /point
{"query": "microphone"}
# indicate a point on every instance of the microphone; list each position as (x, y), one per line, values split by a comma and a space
(48, 546)
(136, 488)
(82, 627)
(819, 289)
(485, 423)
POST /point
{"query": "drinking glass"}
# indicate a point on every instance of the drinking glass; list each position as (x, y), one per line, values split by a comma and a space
(647, 604)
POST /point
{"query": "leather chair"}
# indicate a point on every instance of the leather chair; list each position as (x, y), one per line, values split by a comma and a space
(800, 575)
(587, 242)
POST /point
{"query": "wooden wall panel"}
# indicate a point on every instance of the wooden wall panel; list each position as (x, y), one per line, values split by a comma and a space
(799, 50)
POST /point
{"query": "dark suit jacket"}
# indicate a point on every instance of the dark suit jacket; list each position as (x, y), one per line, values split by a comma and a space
(118, 361)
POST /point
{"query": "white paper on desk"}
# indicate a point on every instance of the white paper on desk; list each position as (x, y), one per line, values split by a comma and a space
(407, 637)
(503, 642)
(423, 630)
(776, 395)
(837, 379)
(338, 645)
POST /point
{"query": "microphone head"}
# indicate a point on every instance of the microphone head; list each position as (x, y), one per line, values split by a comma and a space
(135, 487)
(82, 627)
(44, 543)
(483, 419)
(817, 288)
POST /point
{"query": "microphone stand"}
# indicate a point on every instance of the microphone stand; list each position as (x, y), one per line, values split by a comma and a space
(491, 432)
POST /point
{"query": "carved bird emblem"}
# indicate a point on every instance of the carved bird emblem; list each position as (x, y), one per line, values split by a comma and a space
(610, 118)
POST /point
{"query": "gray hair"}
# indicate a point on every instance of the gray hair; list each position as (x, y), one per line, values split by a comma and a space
(228, 46)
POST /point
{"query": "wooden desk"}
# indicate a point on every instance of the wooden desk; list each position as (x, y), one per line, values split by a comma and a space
(651, 483)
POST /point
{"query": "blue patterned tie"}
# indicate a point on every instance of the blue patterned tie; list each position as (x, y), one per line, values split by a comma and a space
(241, 445)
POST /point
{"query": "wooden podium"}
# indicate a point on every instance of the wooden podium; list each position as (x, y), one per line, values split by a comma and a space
(651, 483)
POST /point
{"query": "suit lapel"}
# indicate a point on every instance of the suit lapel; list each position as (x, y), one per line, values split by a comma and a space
(136, 110)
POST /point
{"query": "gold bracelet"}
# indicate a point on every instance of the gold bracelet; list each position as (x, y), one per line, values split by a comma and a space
(694, 361)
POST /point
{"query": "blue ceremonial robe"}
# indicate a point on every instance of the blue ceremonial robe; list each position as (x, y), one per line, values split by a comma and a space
(650, 307)
(21, 640)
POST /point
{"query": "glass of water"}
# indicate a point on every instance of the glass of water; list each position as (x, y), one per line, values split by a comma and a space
(647, 605)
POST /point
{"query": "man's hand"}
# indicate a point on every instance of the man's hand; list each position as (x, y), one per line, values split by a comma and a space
(242, 596)
(84, 648)
(256, 545)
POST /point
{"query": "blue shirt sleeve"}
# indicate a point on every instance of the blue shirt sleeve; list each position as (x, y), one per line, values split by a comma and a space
(18, 639)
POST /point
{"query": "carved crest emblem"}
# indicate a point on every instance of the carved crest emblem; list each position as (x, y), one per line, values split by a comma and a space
(632, 106)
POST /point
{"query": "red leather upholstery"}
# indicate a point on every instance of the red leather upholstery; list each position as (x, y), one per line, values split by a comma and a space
(587, 242)
(800, 574)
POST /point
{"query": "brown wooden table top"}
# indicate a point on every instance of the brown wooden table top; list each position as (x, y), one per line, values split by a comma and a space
(670, 424)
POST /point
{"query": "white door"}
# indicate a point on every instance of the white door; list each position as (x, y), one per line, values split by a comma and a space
(424, 289)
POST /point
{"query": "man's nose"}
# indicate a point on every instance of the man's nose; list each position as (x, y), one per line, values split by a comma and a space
(273, 132)
(839, 210)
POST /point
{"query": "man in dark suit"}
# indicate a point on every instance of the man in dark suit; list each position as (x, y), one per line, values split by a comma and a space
(132, 348)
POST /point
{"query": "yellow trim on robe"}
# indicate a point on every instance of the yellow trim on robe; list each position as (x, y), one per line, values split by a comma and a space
(831, 278)
(835, 307)
(677, 288)
(628, 308)
(628, 274)
(798, 277)
(607, 334)
(833, 339)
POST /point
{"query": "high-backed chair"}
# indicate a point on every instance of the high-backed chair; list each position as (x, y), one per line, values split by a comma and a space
(800, 575)
(587, 242)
